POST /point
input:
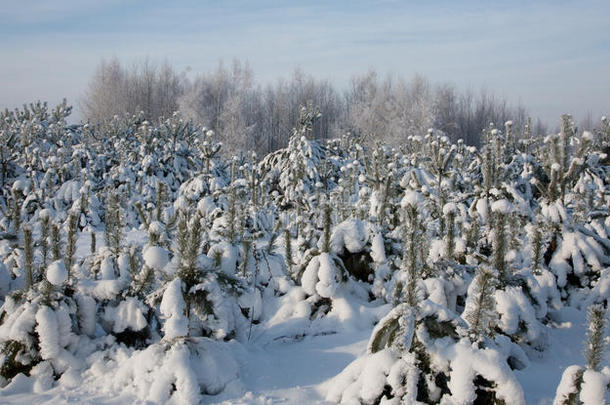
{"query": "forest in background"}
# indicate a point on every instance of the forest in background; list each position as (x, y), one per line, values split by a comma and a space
(251, 116)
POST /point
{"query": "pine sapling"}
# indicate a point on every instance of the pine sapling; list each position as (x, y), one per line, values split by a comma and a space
(536, 247)
(46, 291)
(256, 257)
(472, 235)
(499, 153)
(500, 246)
(488, 170)
(142, 214)
(567, 131)
(288, 249)
(28, 252)
(232, 216)
(515, 225)
(398, 293)
(93, 243)
(273, 237)
(154, 234)
(195, 237)
(411, 249)
(449, 211)
(596, 345)
(327, 224)
(159, 202)
(134, 266)
(385, 188)
(71, 242)
(114, 224)
(189, 245)
(84, 201)
(182, 235)
(44, 238)
(16, 209)
(480, 307)
(55, 241)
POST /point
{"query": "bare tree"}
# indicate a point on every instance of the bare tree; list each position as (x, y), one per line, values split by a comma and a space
(247, 116)
(114, 90)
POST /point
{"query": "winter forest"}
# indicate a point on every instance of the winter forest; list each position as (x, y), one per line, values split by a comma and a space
(209, 239)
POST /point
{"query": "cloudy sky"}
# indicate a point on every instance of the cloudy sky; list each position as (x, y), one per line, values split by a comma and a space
(551, 56)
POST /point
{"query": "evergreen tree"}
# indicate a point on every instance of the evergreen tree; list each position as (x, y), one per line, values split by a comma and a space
(596, 345)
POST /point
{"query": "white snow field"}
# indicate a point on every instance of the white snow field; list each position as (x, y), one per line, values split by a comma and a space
(296, 371)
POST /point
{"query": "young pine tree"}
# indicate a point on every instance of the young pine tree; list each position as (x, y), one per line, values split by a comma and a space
(71, 241)
(28, 252)
(44, 238)
(479, 312)
(288, 249)
(501, 210)
(56, 242)
(536, 247)
(327, 224)
(449, 210)
(114, 224)
(411, 263)
(596, 345)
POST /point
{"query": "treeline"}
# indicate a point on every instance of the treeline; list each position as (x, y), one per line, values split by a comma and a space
(249, 116)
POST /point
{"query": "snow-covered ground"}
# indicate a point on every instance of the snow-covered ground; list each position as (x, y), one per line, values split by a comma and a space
(293, 371)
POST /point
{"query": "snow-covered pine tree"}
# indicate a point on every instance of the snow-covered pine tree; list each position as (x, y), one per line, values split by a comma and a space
(113, 230)
(479, 311)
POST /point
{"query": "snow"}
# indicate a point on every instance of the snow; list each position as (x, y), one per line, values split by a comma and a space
(267, 371)
(327, 276)
(86, 314)
(516, 312)
(450, 208)
(156, 228)
(172, 307)
(378, 249)
(44, 213)
(468, 362)
(47, 328)
(594, 387)
(107, 269)
(412, 198)
(543, 376)
(350, 235)
(588, 136)
(501, 206)
(19, 185)
(155, 257)
(101, 289)
(310, 277)
(128, 314)
(57, 273)
(363, 380)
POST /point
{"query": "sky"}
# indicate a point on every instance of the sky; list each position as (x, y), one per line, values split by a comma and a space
(552, 57)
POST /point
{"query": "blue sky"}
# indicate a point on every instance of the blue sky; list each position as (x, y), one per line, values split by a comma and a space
(551, 56)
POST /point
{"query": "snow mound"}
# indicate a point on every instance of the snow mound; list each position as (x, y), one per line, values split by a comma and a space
(350, 235)
(57, 273)
(155, 257)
